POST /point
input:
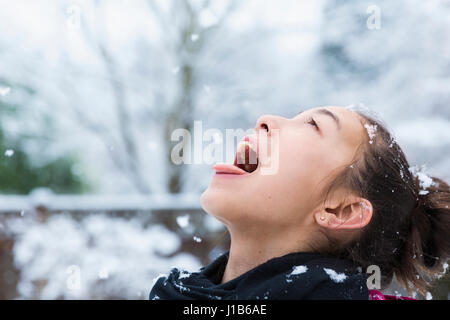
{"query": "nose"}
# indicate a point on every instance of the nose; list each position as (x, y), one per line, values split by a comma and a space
(268, 123)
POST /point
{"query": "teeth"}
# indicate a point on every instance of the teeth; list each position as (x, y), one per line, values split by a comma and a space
(241, 157)
(241, 152)
(242, 144)
(246, 157)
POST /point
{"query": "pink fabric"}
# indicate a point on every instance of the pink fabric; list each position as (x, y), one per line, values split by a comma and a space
(377, 295)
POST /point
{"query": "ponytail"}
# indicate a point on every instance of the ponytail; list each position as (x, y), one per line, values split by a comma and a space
(428, 245)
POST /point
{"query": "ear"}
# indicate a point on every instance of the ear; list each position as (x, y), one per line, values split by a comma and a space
(353, 214)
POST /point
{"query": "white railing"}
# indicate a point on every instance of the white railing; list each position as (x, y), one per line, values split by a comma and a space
(88, 203)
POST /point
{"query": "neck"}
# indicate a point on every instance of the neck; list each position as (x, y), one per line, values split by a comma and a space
(248, 251)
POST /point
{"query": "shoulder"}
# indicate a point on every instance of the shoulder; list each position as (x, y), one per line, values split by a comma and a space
(323, 278)
(328, 279)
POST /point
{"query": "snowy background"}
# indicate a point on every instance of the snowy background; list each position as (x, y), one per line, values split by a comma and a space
(91, 90)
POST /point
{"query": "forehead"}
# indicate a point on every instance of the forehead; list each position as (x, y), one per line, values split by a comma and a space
(352, 130)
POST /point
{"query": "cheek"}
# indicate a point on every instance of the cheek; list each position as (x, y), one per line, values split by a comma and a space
(301, 163)
(300, 169)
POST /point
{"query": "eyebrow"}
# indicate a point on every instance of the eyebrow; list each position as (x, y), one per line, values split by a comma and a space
(330, 114)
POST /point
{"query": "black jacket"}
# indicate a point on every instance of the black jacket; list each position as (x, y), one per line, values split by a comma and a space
(294, 276)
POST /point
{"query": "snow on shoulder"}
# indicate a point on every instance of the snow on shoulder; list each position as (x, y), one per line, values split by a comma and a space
(296, 270)
(336, 277)
(161, 275)
(184, 274)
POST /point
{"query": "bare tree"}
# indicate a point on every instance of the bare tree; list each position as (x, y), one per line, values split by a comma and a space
(190, 39)
(186, 40)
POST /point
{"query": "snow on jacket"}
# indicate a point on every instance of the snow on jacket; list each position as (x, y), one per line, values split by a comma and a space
(295, 276)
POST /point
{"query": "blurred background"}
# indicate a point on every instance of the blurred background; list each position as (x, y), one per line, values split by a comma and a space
(91, 207)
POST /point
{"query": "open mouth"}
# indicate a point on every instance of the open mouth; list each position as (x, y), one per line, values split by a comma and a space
(246, 156)
(245, 161)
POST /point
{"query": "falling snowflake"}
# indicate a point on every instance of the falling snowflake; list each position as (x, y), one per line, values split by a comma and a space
(103, 273)
(152, 145)
(194, 37)
(4, 91)
(9, 152)
(175, 70)
(207, 88)
(183, 221)
(197, 239)
(207, 18)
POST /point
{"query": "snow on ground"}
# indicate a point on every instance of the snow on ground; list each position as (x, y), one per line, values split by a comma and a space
(95, 258)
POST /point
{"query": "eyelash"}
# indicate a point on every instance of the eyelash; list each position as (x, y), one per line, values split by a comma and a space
(312, 122)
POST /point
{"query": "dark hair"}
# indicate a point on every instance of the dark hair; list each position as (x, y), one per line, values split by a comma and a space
(408, 235)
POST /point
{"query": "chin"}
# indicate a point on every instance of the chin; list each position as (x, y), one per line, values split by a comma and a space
(214, 202)
(230, 209)
(219, 205)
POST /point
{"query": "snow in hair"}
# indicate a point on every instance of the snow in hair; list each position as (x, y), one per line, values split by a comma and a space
(425, 181)
(371, 130)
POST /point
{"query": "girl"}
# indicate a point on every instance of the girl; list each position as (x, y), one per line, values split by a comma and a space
(342, 198)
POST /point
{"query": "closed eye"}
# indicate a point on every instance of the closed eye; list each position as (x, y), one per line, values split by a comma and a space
(312, 122)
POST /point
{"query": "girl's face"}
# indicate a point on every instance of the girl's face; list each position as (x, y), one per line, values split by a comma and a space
(311, 147)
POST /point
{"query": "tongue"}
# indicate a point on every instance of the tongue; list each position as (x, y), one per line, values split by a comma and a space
(246, 160)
